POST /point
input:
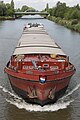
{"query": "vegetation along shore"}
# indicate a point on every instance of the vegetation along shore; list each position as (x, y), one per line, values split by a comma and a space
(65, 15)
(7, 10)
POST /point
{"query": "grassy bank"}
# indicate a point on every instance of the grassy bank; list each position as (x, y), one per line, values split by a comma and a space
(71, 24)
(6, 18)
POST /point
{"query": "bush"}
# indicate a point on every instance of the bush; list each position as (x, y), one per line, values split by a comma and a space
(75, 21)
(77, 27)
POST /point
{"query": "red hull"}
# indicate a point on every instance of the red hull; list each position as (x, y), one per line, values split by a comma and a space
(40, 93)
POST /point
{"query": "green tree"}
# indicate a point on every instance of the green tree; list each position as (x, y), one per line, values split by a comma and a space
(68, 12)
(77, 6)
(12, 4)
(30, 9)
(47, 7)
(18, 10)
(12, 8)
(9, 11)
(60, 9)
(51, 11)
(75, 14)
(2, 9)
(24, 8)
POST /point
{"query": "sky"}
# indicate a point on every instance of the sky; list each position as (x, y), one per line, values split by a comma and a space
(41, 4)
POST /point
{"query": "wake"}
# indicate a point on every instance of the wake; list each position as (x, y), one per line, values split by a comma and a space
(62, 103)
(71, 92)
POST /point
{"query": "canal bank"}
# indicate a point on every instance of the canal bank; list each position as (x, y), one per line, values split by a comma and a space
(71, 24)
(6, 18)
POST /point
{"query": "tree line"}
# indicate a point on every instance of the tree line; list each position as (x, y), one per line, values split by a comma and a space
(25, 8)
(8, 9)
(63, 11)
(65, 15)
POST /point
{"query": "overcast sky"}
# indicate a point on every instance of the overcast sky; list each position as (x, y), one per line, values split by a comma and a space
(40, 4)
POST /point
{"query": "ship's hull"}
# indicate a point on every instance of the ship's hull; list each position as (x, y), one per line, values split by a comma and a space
(39, 93)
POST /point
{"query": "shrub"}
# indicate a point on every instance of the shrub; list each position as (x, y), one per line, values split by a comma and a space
(75, 21)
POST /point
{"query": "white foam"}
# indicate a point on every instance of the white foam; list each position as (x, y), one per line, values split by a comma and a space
(30, 107)
(1, 87)
(9, 93)
(71, 92)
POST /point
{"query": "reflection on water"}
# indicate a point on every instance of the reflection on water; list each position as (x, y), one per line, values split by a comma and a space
(10, 32)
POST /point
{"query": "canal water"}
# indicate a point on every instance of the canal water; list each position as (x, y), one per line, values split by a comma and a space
(14, 108)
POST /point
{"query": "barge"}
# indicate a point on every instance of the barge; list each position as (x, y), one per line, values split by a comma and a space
(39, 71)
